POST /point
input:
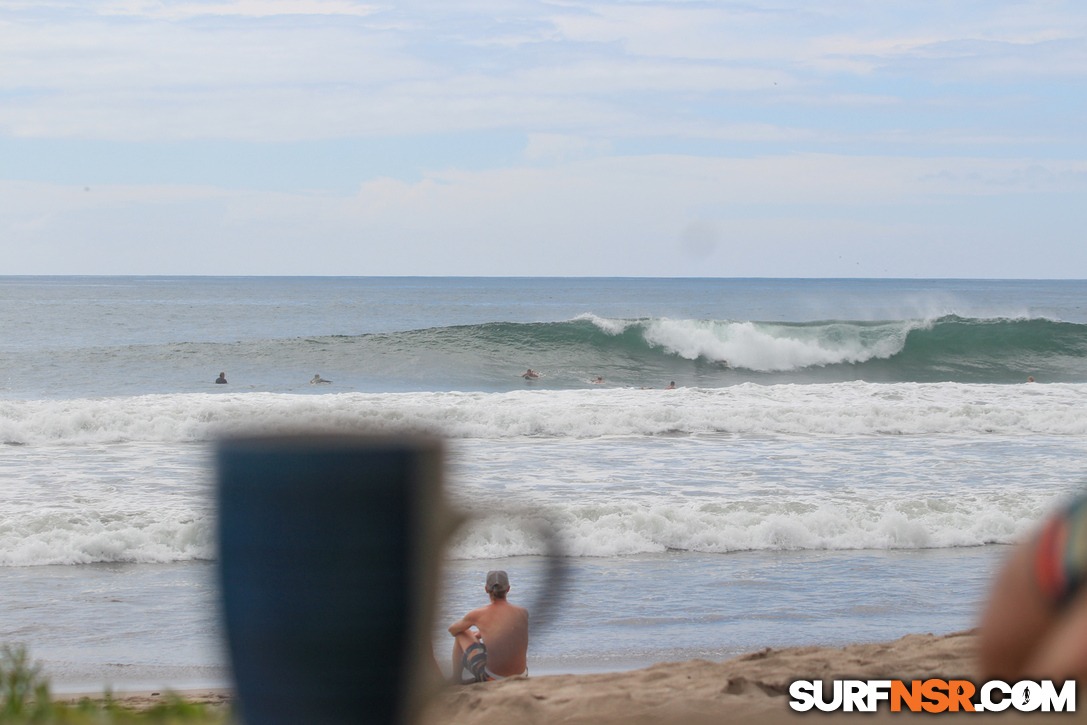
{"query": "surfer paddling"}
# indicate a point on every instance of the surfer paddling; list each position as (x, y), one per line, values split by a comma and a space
(318, 379)
(530, 374)
(491, 642)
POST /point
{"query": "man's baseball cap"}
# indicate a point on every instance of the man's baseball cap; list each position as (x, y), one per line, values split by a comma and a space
(498, 582)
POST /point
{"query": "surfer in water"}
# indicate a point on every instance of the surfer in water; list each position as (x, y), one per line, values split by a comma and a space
(598, 380)
(530, 374)
(221, 380)
(318, 379)
(670, 386)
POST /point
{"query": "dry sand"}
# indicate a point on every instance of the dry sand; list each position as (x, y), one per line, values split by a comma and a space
(748, 689)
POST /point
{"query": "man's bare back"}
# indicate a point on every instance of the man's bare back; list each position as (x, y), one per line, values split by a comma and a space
(501, 627)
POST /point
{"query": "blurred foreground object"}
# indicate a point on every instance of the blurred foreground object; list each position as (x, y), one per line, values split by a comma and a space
(329, 554)
(1035, 626)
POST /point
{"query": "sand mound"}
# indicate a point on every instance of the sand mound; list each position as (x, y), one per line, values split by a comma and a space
(748, 689)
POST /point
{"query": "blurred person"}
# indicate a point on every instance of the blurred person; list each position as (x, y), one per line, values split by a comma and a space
(1035, 625)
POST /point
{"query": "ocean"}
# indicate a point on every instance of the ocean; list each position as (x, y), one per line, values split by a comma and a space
(840, 461)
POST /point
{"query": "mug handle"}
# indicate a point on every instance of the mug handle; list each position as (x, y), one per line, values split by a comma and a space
(554, 582)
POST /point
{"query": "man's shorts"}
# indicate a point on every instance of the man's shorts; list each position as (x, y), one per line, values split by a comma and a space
(475, 661)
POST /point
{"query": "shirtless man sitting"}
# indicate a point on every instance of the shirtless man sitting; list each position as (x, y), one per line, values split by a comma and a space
(504, 629)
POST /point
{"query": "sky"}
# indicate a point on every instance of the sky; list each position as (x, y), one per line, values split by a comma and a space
(765, 138)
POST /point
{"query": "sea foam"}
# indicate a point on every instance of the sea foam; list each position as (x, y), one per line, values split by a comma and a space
(768, 347)
(628, 529)
(583, 530)
(87, 537)
(748, 409)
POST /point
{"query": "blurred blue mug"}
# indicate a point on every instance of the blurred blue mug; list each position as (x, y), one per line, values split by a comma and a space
(330, 548)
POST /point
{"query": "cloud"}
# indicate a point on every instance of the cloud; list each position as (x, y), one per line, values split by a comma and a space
(731, 138)
(559, 147)
(284, 70)
(651, 216)
(238, 8)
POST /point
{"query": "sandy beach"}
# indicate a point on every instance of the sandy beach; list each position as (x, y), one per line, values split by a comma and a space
(748, 689)
(751, 688)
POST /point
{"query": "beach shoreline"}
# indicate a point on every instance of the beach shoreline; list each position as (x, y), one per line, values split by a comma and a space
(746, 689)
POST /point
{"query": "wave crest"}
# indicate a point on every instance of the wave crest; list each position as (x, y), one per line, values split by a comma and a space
(628, 529)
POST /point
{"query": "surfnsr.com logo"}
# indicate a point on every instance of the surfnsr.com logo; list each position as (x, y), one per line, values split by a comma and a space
(933, 696)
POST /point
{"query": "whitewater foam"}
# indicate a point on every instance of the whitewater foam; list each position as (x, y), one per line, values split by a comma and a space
(607, 325)
(748, 409)
(599, 529)
(90, 536)
(771, 348)
(603, 530)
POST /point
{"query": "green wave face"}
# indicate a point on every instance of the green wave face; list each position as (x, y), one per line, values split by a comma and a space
(648, 353)
(651, 352)
(992, 351)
